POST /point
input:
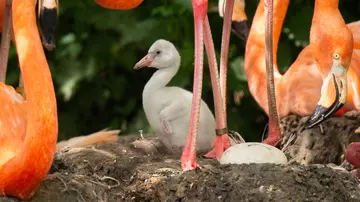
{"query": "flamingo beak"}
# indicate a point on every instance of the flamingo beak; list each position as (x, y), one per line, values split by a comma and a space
(239, 22)
(333, 95)
(145, 61)
(48, 14)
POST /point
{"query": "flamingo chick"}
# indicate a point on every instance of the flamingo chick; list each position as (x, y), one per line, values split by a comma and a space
(168, 108)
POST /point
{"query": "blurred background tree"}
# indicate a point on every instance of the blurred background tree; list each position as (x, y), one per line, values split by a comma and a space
(97, 48)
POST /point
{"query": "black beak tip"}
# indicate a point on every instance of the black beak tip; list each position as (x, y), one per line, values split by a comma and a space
(241, 29)
(48, 23)
(317, 117)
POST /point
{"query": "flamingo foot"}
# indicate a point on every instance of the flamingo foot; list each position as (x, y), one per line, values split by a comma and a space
(188, 162)
(341, 111)
(272, 140)
(221, 144)
(188, 157)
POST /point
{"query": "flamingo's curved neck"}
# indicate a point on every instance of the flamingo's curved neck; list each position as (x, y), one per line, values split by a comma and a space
(161, 78)
(21, 175)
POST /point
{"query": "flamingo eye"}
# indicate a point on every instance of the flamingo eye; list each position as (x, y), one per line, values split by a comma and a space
(336, 56)
(158, 52)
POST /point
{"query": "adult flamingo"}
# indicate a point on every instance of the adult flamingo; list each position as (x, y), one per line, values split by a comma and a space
(29, 129)
(332, 47)
(20, 175)
(299, 89)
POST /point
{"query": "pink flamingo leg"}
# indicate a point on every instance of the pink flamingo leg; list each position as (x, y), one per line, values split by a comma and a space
(222, 140)
(188, 158)
(5, 40)
(274, 126)
(225, 40)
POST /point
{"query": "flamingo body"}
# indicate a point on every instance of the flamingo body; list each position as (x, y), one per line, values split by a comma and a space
(12, 122)
(298, 90)
(119, 4)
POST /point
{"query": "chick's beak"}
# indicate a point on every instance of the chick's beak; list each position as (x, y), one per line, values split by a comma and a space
(145, 61)
(333, 95)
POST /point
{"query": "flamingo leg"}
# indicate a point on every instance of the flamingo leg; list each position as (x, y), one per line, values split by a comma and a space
(225, 40)
(222, 140)
(274, 125)
(5, 40)
(188, 158)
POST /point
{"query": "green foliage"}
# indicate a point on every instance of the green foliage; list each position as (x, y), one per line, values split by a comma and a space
(97, 48)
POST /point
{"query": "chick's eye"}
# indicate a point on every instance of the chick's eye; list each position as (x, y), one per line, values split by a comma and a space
(158, 52)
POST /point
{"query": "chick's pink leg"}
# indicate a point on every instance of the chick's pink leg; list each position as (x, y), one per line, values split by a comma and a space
(188, 158)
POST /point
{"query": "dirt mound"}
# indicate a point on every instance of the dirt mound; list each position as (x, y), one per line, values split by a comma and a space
(142, 171)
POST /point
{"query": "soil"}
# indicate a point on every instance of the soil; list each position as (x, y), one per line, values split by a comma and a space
(136, 169)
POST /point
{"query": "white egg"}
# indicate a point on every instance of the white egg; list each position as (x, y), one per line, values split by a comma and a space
(253, 152)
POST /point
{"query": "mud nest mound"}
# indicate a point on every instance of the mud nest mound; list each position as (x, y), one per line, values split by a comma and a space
(136, 169)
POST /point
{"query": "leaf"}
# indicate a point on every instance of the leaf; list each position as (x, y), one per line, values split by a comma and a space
(185, 3)
(284, 56)
(137, 32)
(297, 25)
(237, 68)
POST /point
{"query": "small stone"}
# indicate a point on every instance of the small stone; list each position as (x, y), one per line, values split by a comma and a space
(298, 179)
(261, 189)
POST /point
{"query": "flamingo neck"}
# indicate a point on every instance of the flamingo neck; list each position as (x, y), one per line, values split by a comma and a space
(161, 78)
(329, 4)
(21, 175)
